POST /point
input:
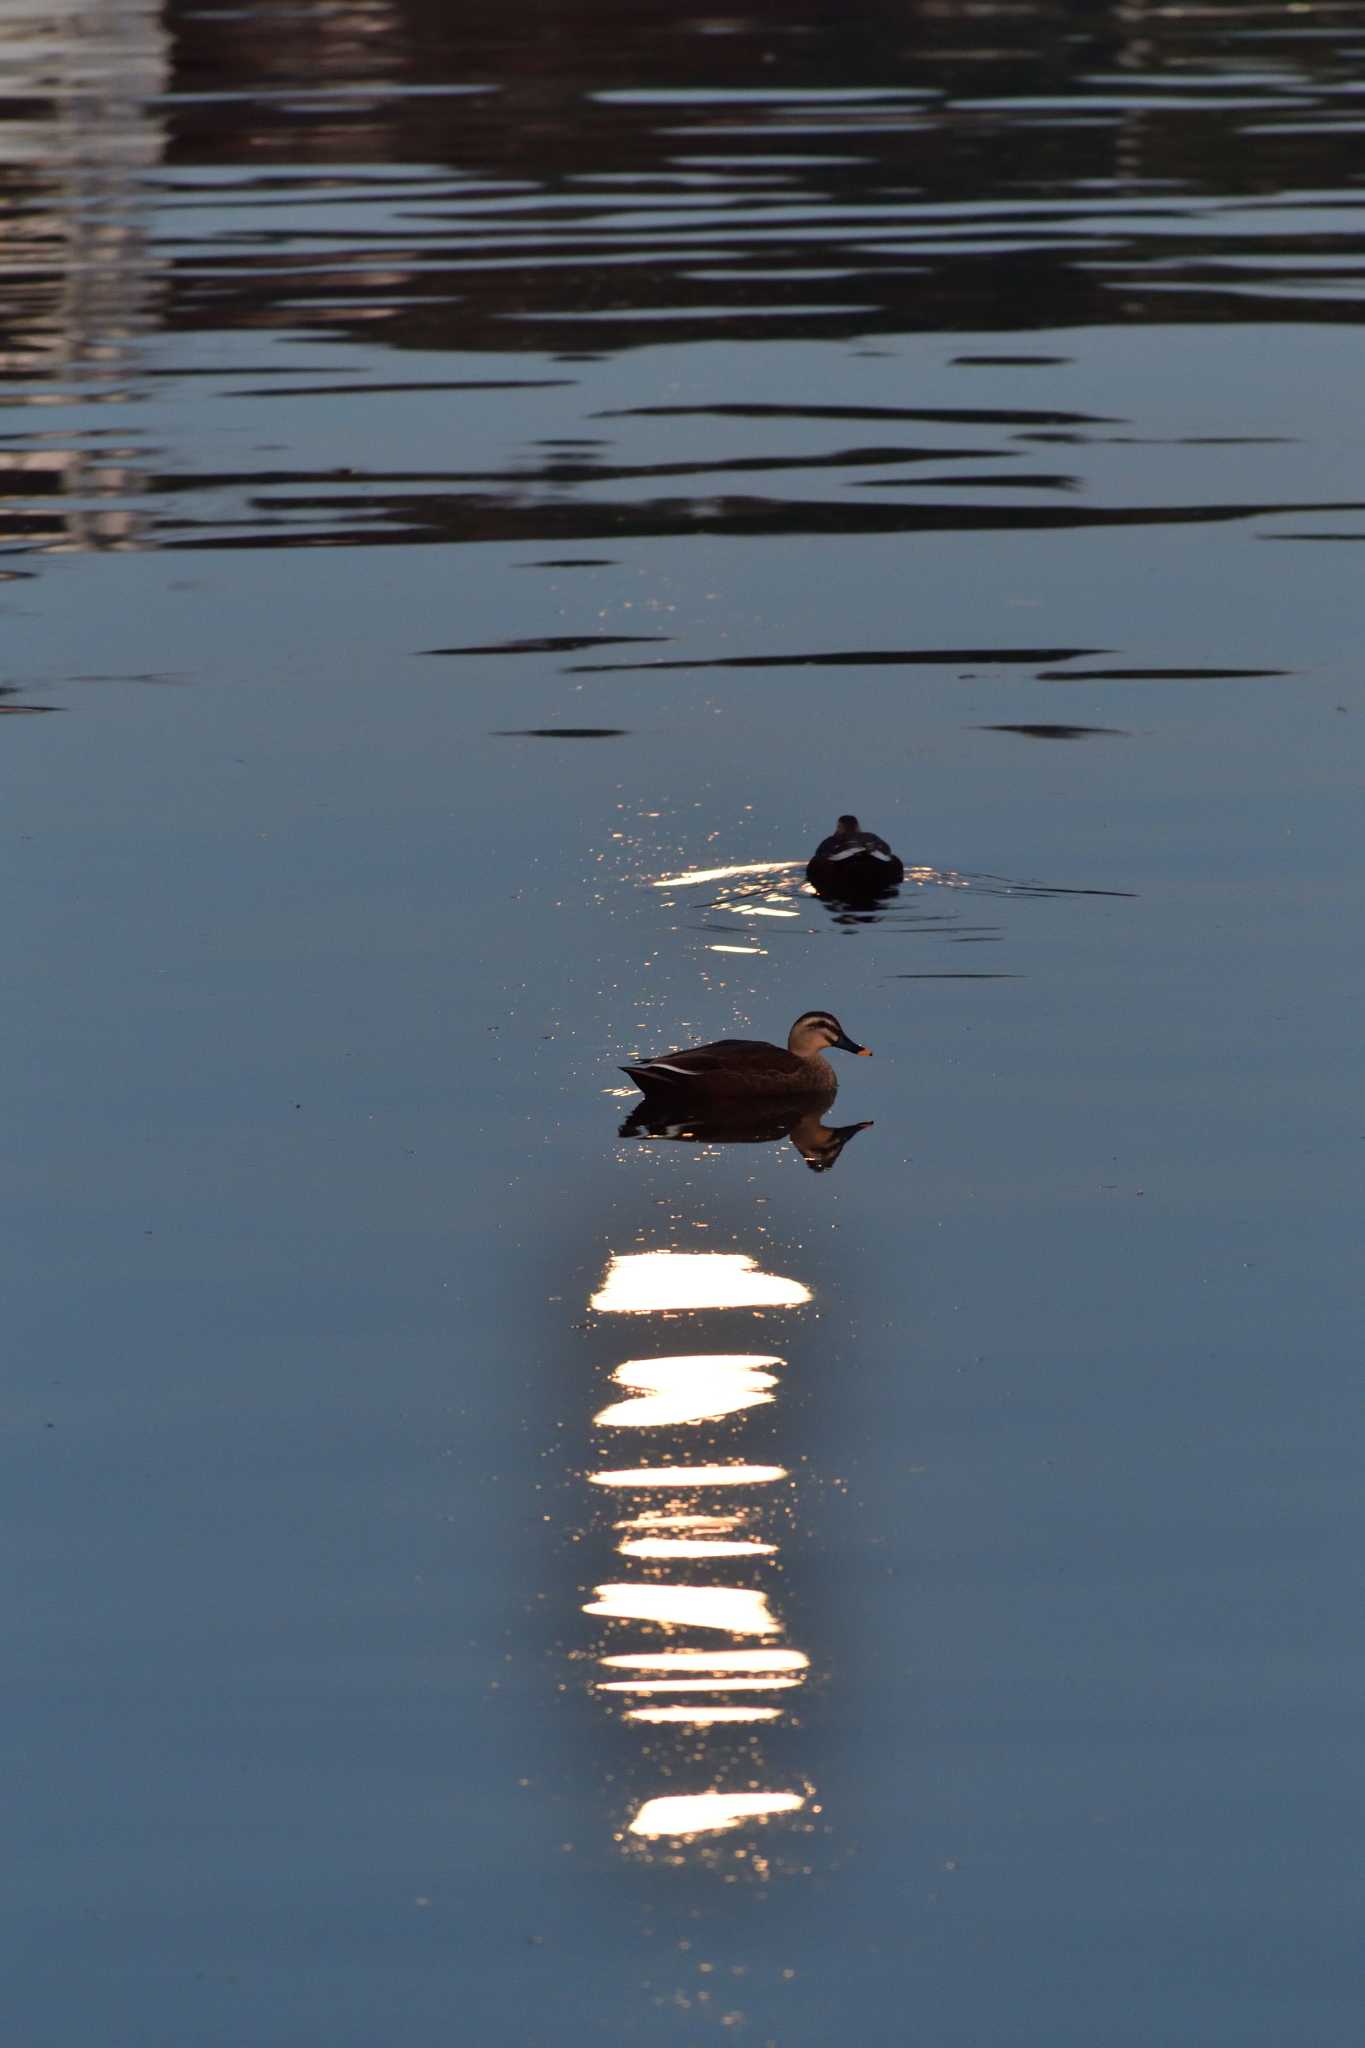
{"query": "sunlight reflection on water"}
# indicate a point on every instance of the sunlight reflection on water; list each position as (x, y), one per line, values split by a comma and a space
(651, 1283)
(683, 1686)
(708, 1812)
(687, 1389)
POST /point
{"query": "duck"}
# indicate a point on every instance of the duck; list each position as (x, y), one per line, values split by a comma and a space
(734, 1068)
(853, 862)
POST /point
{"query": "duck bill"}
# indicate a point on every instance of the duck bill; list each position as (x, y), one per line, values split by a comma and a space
(846, 1044)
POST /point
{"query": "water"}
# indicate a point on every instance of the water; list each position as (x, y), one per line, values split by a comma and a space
(484, 491)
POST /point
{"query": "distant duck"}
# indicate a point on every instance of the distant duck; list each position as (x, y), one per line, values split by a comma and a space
(735, 1068)
(852, 862)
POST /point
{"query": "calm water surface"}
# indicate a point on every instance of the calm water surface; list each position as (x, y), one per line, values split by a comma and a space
(484, 487)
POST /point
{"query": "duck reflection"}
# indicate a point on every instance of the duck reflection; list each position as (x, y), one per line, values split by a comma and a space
(693, 1651)
(819, 1144)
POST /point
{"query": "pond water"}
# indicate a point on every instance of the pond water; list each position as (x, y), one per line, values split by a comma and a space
(484, 489)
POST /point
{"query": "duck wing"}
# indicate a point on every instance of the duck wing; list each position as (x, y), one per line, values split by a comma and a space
(830, 852)
(755, 1056)
(728, 1055)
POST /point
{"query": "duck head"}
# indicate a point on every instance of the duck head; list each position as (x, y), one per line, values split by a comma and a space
(814, 1030)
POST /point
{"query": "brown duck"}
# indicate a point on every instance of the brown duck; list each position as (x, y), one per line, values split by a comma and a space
(740, 1068)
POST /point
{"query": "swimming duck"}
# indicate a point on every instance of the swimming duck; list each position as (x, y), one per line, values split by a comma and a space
(750, 1066)
(854, 862)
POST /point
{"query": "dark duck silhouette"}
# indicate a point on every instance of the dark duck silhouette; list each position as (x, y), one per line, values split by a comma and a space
(746, 1123)
(738, 1069)
(852, 862)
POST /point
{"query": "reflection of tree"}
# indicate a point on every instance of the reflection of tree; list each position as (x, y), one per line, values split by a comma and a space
(83, 283)
(467, 181)
(610, 201)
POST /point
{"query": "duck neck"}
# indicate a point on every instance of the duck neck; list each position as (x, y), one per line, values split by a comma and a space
(819, 1068)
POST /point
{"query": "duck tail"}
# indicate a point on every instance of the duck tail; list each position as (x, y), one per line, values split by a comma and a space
(653, 1078)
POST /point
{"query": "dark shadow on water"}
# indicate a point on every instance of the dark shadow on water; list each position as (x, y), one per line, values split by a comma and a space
(1017, 480)
(429, 518)
(1158, 675)
(1060, 732)
(1165, 440)
(963, 416)
(560, 732)
(416, 384)
(556, 643)
(1009, 362)
(747, 1124)
(21, 710)
(1000, 885)
(859, 657)
(582, 469)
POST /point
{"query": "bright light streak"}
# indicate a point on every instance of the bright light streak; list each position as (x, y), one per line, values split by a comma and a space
(691, 1475)
(705, 1813)
(757, 867)
(689, 1389)
(648, 1283)
(736, 1609)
